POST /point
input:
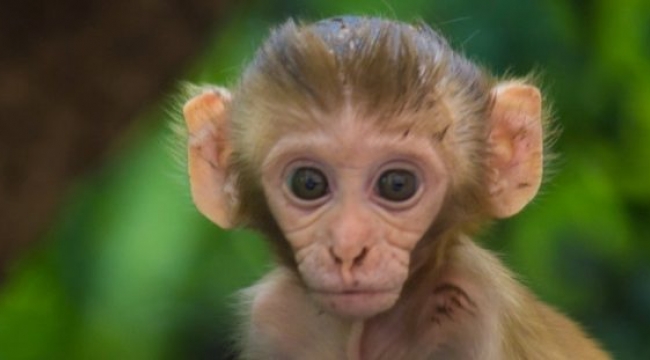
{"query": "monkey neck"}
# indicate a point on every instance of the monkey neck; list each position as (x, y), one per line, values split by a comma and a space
(353, 349)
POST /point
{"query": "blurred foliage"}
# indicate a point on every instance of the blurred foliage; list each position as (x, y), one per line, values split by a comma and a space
(131, 271)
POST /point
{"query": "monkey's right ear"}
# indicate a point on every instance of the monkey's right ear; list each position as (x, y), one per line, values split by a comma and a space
(207, 117)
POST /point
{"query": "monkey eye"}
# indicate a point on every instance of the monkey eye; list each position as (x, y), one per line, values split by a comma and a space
(397, 185)
(308, 183)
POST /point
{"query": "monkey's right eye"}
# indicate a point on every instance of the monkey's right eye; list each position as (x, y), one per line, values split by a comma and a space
(308, 183)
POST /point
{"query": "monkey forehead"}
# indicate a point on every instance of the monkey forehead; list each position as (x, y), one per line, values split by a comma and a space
(353, 145)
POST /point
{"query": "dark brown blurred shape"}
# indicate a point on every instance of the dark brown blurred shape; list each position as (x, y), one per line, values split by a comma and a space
(73, 75)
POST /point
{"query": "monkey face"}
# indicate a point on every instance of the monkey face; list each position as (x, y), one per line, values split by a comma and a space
(353, 203)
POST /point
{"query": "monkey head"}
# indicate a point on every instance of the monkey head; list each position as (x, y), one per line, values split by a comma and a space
(353, 140)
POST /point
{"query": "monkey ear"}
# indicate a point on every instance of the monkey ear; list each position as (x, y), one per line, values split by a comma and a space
(207, 117)
(516, 147)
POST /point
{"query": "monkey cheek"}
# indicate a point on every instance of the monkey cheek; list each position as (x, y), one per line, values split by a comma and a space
(356, 305)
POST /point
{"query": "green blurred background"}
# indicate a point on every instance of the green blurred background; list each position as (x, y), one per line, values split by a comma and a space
(130, 270)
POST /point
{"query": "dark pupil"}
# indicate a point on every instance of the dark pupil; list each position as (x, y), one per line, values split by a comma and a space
(397, 185)
(308, 183)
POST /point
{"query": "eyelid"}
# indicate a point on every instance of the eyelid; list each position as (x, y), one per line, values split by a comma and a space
(296, 164)
(399, 164)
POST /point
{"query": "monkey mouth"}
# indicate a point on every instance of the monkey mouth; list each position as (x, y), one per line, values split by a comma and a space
(356, 304)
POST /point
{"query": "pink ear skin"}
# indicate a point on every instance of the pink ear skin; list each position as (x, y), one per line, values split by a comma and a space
(207, 119)
(516, 156)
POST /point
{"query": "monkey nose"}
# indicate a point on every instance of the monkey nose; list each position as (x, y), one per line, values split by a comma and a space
(347, 260)
(348, 257)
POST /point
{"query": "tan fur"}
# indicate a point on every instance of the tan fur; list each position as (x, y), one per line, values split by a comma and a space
(360, 277)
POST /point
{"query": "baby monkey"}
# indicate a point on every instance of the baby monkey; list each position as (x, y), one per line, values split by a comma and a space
(368, 152)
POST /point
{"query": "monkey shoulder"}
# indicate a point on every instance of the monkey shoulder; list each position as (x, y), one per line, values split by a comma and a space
(477, 296)
(281, 322)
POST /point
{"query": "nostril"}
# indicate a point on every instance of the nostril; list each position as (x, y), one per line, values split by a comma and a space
(350, 257)
(336, 258)
(359, 258)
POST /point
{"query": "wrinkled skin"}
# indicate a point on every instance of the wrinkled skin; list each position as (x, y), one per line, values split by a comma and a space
(353, 246)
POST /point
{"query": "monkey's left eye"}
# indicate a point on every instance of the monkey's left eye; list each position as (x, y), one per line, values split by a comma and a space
(308, 183)
(397, 185)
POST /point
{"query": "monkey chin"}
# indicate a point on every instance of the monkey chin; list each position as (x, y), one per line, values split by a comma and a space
(356, 305)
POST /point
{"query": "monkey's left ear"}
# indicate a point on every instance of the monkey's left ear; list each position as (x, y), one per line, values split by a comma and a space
(516, 155)
(207, 116)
